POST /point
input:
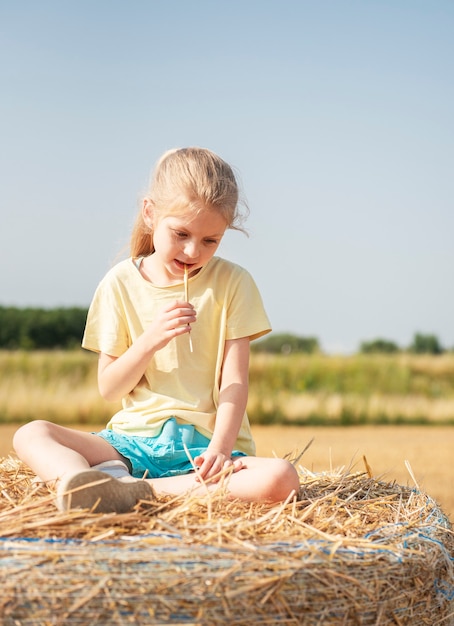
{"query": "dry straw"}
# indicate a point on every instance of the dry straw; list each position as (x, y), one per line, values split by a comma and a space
(351, 550)
(186, 297)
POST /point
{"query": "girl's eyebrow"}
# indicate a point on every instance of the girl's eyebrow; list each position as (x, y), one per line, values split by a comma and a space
(186, 229)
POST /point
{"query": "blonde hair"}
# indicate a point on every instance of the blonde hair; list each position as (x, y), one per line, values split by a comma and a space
(188, 179)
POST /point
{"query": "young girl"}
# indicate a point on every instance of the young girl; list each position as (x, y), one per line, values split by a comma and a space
(179, 364)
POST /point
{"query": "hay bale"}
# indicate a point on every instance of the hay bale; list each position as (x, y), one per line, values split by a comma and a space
(351, 550)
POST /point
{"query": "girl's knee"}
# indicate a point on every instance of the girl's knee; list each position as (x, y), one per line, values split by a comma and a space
(288, 476)
(26, 435)
(283, 479)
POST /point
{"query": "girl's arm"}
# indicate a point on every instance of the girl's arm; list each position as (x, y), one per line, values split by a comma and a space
(233, 397)
(117, 376)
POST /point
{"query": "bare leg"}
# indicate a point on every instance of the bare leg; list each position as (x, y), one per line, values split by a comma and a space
(260, 480)
(53, 451)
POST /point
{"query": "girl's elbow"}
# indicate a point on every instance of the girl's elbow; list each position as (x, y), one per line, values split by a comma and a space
(108, 393)
(110, 397)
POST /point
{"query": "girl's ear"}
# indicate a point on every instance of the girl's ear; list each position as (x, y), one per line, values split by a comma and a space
(148, 213)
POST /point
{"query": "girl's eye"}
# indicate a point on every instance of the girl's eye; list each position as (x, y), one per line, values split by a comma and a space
(181, 234)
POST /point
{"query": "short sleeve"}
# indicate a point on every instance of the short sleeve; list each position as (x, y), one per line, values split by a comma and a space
(246, 315)
(106, 328)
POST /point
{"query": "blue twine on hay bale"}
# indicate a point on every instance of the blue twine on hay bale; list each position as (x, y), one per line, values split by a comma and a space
(171, 570)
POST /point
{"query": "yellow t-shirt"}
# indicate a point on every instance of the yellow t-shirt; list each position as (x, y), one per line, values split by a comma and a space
(177, 382)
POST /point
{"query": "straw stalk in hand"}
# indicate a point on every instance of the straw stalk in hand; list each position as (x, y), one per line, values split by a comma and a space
(186, 297)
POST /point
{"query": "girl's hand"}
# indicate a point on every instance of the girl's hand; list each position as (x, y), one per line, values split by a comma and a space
(117, 376)
(171, 321)
(210, 464)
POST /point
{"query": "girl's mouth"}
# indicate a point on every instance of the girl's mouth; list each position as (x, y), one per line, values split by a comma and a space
(182, 265)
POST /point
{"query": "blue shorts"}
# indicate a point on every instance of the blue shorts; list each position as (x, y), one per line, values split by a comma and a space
(163, 455)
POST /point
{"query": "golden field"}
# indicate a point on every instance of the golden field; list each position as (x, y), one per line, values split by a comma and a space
(428, 451)
(295, 389)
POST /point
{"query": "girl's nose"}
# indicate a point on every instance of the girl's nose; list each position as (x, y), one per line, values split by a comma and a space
(191, 249)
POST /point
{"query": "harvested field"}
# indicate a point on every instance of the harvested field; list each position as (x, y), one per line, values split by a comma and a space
(428, 450)
(350, 550)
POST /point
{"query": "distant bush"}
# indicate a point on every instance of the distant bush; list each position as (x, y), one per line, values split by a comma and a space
(421, 344)
(285, 343)
(426, 344)
(382, 346)
(41, 329)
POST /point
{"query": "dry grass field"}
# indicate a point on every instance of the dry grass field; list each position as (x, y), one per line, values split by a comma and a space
(428, 449)
(319, 390)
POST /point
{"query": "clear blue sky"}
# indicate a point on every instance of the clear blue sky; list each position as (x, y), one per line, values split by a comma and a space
(339, 116)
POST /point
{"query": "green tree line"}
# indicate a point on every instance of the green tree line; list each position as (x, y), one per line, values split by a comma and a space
(421, 344)
(43, 329)
(285, 343)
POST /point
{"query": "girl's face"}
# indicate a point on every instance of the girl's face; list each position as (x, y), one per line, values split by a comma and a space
(190, 240)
